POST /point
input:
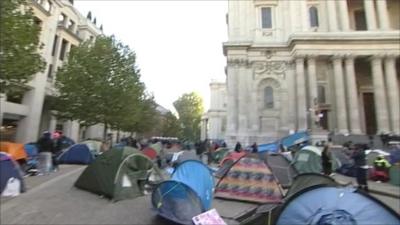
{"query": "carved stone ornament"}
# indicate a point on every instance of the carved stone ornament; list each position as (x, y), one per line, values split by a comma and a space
(270, 67)
(238, 62)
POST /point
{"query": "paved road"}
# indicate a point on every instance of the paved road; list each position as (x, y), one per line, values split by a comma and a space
(56, 201)
(53, 200)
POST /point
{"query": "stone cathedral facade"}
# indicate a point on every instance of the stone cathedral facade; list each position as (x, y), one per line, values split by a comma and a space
(317, 65)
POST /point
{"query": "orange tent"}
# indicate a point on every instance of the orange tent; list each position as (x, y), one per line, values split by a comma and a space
(16, 150)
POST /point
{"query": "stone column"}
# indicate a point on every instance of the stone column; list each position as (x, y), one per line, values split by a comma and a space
(291, 82)
(393, 93)
(305, 21)
(312, 84)
(344, 15)
(232, 98)
(332, 16)
(301, 95)
(370, 14)
(383, 15)
(379, 95)
(242, 99)
(3, 99)
(354, 112)
(340, 95)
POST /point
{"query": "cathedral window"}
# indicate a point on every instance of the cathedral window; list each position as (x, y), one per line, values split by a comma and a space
(269, 97)
(313, 12)
(266, 17)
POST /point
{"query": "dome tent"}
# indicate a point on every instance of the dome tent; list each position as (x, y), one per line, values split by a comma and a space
(9, 171)
(249, 179)
(117, 174)
(316, 199)
(186, 195)
(308, 160)
(282, 169)
(76, 154)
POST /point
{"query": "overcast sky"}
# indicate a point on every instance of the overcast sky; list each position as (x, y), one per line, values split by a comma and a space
(178, 44)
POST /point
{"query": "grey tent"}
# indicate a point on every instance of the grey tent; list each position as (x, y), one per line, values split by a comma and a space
(282, 169)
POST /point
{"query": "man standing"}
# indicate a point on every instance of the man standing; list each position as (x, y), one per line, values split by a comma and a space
(360, 163)
(45, 147)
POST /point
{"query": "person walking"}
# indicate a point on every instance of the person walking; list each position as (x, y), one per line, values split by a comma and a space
(59, 142)
(326, 159)
(360, 163)
(254, 148)
(238, 147)
(45, 147)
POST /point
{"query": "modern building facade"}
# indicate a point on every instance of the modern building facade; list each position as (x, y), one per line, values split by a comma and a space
(62, 28)
(317, 65)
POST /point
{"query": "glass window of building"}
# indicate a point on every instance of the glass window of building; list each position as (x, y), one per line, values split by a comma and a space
(266, 17)
(269, 97)
(64, 44)
(313, 11)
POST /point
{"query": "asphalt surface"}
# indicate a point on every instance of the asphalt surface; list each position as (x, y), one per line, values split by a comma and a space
(53, 199)
(57, 201)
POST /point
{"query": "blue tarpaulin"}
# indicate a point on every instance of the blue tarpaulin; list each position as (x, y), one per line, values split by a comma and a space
(295, 139)
(270, 147)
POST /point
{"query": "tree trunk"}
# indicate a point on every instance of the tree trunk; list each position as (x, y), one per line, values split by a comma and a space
(118, 136)
(105, 132)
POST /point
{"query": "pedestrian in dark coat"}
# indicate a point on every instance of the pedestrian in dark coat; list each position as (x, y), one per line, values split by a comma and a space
(326, 159)
(254, 148)
(360, 163)
(44, 143)
(238, 147)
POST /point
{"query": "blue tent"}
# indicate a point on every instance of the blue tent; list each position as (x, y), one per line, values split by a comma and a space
(32, 152)
(76, 154)
(187, 194)
(270, 147)
(9, 169)
(322, 204)
(294, 139)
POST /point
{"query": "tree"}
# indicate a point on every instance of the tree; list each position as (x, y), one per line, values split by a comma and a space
(100, 83)
(170, 126)
(19, 45)
(140, 117)
(190, 108)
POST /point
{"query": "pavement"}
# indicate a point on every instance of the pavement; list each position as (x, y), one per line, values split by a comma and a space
(385, 192)
(386, 189)
(53, 199)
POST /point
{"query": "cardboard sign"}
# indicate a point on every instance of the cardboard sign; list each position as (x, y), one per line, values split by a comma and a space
(210, 217)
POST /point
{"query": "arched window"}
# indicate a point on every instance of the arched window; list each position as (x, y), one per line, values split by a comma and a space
(269, 97)
(313, 11)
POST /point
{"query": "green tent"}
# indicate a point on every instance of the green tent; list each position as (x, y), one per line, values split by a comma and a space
(219, 154)
(117, 174)
(308, 160)
(94, 146)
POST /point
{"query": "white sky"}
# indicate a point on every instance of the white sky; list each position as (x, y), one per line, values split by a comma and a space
(178, 44)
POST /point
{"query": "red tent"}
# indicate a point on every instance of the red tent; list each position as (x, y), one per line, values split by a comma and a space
(150, 152)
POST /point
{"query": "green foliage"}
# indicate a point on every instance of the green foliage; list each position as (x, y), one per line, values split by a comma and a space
(19, 45)
(141, 117)
(190, 108)
(101, 84)
(170, 126)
